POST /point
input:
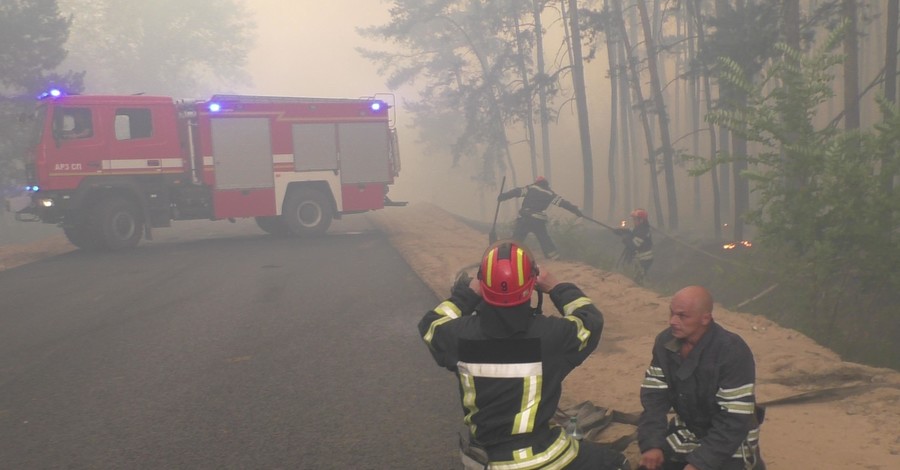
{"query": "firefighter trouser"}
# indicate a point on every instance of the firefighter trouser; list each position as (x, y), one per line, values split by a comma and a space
(526, 225)
(592, 455)
(753, 463)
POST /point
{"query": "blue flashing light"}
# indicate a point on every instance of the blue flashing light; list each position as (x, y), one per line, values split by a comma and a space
(215, 107)
(51, 93)
(32, 189)
(376, 106)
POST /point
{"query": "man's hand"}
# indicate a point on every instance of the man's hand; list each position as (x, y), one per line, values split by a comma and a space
(475, 285)
(653, 460)
(464, 281)
(546, 281)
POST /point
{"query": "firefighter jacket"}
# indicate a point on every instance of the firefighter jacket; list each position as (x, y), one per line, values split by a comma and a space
(536, 200)
(638, 242)
(510, 363)
(712, 394)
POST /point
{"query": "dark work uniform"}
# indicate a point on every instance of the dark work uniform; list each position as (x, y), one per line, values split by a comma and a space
(511, 363)
(712, 393)
(532, 218)
(638, 246)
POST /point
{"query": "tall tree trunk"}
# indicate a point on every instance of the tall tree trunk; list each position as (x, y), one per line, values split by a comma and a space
(851, 67)
(734, 98)
(695, 13)
(581, 106)
(662, 115)
(611, 43)
(741, 185)
(693, 98)
(542, 87)
(528, 119)
(890, 91)
(645, 120)
(790, 11)
(627, 138)
(724, 139)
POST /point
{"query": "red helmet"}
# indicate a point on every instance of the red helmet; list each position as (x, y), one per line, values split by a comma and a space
(639, 214)
(542, 182)
(507, 274)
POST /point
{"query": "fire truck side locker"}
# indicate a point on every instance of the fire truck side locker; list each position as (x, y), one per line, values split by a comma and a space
(365, 164)
(242, 167)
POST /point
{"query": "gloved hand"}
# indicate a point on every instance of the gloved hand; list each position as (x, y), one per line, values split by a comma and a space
(461, 284)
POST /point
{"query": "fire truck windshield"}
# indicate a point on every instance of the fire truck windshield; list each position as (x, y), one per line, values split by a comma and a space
(35, 122)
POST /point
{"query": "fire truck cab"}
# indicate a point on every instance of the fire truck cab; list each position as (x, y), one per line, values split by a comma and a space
(107, 169)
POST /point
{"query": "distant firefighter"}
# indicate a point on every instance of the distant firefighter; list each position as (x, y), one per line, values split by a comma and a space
(532, 219)
(638, 254)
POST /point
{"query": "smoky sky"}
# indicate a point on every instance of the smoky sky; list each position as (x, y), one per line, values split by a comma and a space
(308, 48)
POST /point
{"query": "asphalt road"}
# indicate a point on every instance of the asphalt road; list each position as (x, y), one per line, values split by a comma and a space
(218, 347)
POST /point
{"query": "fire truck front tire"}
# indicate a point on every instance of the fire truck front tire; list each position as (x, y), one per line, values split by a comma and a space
(118, 223)
(81, 236)
(273, 225)
(307, 212)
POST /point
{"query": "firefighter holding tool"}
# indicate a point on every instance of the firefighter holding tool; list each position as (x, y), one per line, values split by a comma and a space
(537, 197)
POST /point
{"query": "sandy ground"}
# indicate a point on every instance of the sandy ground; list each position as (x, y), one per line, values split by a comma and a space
(856, 430)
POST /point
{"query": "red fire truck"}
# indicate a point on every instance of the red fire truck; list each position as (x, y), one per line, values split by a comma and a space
(107, 169)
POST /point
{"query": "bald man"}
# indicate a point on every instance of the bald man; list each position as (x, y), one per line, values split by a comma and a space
(707, 375)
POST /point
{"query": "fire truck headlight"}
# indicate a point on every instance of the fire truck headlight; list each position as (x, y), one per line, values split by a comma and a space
(46, 202)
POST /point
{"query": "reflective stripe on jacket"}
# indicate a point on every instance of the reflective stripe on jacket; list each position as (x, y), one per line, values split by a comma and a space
(510, 364)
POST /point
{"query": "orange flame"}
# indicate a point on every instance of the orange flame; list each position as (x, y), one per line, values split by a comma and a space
(731, 246)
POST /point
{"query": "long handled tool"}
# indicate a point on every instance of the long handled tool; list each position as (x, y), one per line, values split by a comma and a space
(493, 235)
(618, 231)
(601, 223)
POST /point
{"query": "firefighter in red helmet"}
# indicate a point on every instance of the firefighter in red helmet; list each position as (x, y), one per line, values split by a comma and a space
(638, 253)
(511, 361)
(532, 216)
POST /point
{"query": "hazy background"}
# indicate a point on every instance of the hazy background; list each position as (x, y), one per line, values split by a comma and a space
(308, 48)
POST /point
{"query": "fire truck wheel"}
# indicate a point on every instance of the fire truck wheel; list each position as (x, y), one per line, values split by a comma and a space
(118, 223)
(307, 212)
(273, 225)
(81, 236)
